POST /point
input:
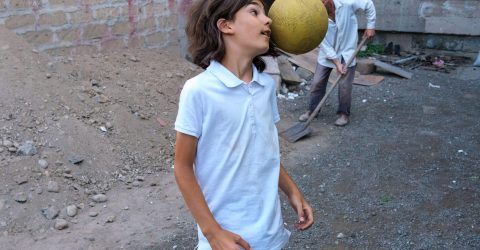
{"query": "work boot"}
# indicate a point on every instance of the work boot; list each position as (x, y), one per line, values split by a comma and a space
(342, 120)
(304, 117)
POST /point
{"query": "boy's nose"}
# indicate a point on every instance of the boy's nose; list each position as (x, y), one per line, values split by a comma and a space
(268, 20)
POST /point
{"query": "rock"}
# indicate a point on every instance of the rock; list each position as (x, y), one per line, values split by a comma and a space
(51, 212)
(39, 190)
(2, 204)
(1, 150)
(72, 210)
(109, 125)
(53, 187)
(27, 149)
(110, 219)
(136, 184)
(61, 224)
(93, 214)
(43, 163)
(7, 143)
(75, 159)
(341, 236)
(20, 197)
(12, 149)
(99, 198)
(21, 180)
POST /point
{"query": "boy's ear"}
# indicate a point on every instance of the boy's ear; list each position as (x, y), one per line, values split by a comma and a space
(224, 26)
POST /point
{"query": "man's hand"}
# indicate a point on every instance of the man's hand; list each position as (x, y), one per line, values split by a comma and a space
(304, 212)
(369, 33)
(226, 240)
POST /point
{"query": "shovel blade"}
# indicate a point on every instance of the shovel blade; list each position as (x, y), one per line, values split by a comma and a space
(296, 132)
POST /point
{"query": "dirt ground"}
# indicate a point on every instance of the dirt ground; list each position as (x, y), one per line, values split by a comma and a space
(403, 175)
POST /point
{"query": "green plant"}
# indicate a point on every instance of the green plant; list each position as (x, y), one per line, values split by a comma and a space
(372, 48)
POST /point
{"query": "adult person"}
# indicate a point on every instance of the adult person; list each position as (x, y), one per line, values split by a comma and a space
(335, 50)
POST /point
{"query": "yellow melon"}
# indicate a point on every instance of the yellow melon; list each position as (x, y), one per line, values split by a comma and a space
(298, 26)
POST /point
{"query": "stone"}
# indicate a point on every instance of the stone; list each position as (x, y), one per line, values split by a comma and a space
(365, 66)
(61, 224)
(43, 163)
(7, 143)
(99, 198)
(75, 159)
(110, 219)
(27, 149)
(93, 214)
(72, 210)
(53, 187)
(20, 197)
(21, 180)
(51, 212)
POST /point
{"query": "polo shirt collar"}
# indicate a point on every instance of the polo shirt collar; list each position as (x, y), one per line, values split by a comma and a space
(337, 3)
(227, 77)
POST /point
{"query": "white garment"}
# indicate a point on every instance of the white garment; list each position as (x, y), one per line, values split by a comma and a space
(238, 160)
(342, 35)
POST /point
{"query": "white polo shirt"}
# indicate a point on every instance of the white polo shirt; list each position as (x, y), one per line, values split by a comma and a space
(238, 161)
(342, 35)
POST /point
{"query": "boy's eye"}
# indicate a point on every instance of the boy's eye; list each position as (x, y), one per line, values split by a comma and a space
(255, 12)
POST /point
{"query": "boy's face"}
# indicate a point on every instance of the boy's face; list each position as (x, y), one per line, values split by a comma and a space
(251, 28)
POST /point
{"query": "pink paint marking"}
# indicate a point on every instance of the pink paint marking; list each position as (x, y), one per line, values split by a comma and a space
(131, 18)
(35, 10)
(184, 5)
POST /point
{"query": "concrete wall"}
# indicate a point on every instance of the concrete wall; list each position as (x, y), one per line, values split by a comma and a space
(454, 17)
(92, 25)
(451, 25)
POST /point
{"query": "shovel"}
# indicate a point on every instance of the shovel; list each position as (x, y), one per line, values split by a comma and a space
(302, 129)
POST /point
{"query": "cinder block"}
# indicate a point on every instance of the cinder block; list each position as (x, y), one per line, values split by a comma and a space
(146, 24)
(69, 35)
(122, 28)
(167, 21)
(111, 13)
(52, 19)
(80, 17)
(157, 39)
(39, 37)
(19, 21)
(161, 8)
(23, 4)
(113, 44)
(365, 66)
(95, 31)
(63, 2)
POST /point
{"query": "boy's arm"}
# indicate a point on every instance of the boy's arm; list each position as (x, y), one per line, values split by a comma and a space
(185, 151)
(299, 204)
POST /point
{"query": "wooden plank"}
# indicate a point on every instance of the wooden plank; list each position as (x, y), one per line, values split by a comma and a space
(368, 80)
(364, 80)
(271, 65)
(307, 61)
(286, 71)
(393, 69)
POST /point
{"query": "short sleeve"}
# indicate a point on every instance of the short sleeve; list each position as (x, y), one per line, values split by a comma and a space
(189, 117)
(276, 115)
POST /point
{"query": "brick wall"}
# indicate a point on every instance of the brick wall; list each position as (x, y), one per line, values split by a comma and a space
(93, 25)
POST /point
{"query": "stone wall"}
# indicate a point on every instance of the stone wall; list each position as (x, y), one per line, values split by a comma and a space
(92, 25)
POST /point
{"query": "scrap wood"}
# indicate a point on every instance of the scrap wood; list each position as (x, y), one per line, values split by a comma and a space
(364, 80)
(393, 69)
(307, 61)
(286, 71)
(405, 60)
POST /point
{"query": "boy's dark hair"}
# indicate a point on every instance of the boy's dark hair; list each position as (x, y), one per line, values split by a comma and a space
(205, 39)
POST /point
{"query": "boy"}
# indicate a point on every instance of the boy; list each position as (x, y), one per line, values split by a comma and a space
(227, 160)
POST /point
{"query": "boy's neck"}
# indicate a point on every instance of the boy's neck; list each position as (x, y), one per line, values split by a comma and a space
(240, 66)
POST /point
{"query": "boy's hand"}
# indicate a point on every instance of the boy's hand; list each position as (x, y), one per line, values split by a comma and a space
(304, 212)
(341, 69)
(226, 240)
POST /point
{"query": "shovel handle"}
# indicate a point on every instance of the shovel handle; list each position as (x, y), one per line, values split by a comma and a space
(317, 109)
